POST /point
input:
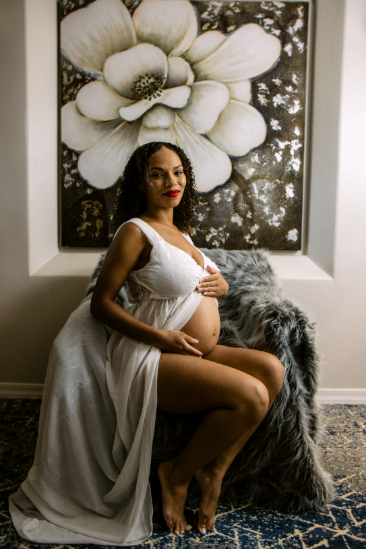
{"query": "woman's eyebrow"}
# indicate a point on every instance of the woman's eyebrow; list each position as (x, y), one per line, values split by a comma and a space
(158, 168)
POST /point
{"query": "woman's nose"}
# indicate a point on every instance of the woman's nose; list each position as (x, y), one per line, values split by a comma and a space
(169, 180)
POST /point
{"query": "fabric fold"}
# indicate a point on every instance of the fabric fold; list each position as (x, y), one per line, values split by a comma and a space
(89, 482)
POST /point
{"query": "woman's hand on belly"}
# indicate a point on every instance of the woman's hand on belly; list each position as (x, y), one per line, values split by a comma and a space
(172, 341)
(214, 285)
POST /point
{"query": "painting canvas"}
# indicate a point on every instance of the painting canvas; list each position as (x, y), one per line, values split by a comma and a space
(226, 81)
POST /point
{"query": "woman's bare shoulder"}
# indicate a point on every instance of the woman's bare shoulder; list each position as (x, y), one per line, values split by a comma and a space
(122, 256)
(130, 234)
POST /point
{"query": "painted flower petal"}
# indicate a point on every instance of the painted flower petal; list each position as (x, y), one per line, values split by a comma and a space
(204, 46)
(211, 166)
(240, 127)
(248, 52)
(90, 35)
(158, 134)
(103, 164)
(170, 25)
(123, 69)
(159, 116)
(240, 90)
(176, 98)
(207, 100)
(179, 73)
(80, 133)
(98, 101)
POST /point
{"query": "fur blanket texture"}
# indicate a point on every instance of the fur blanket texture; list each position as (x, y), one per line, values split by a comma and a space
(280, 466)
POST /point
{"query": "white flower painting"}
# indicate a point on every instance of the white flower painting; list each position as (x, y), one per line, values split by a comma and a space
(225, 80)
(156, 79)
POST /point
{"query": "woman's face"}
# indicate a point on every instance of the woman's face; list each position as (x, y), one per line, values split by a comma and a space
(166, 179)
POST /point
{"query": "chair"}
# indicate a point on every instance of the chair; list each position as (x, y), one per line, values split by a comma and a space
(280, 466)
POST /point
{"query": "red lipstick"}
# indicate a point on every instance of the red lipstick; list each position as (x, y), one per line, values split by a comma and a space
(172, 193)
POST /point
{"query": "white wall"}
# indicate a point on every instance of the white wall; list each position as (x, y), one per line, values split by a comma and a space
(339, 306)
(41, 286)
(32, 309)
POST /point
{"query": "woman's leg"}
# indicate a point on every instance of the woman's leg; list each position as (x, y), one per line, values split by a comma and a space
(269, 370)
(234, 401)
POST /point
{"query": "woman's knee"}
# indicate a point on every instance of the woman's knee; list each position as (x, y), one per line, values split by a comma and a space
(273, 373)
(252, 400)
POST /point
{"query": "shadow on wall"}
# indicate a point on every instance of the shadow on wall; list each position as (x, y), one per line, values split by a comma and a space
(33, 320)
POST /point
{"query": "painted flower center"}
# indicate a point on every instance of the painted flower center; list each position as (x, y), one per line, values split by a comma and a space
(148, 86)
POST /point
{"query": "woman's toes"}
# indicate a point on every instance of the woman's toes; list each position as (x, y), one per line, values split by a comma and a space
(205, 524)
(186, 527)
(179, 527)
(210, 524)
(206, 527)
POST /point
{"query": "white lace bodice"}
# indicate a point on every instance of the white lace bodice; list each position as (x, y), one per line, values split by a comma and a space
(170, 273)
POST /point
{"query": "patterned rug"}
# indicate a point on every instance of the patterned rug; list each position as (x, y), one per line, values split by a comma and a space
(342, 525)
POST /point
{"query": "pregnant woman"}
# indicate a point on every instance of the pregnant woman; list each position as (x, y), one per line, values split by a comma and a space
(163, 352)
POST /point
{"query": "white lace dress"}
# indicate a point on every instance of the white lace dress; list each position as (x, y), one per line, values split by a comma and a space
(90, 478)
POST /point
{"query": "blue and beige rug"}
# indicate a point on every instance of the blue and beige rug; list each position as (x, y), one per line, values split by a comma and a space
(342, 525)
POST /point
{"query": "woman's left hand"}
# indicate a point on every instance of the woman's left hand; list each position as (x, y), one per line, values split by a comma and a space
(214, 285)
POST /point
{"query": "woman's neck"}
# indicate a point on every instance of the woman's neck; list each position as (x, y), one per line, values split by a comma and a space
(164, 217)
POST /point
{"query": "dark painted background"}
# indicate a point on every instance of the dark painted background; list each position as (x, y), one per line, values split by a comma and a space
(261, 205)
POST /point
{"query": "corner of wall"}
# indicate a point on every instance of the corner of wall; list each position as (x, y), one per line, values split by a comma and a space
(325, 121)
(41, 114)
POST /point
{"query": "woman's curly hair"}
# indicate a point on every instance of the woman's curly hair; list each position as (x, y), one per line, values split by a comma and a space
(131, 201)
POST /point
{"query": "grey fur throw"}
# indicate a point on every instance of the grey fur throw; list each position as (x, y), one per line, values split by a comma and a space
(280, 466)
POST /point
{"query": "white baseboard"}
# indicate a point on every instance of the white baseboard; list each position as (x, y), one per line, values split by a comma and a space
(21, 390)
(325, 396)
(342, 396)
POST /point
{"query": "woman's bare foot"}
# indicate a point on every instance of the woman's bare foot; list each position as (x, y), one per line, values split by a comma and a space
(174, 498)
(210, 482)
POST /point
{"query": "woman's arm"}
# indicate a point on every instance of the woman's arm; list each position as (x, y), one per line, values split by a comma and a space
(122, 256)
(120, 260)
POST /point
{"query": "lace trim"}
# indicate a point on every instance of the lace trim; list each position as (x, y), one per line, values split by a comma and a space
(136, 293)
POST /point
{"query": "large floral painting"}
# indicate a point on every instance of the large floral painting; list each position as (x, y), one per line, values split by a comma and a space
(223, 80)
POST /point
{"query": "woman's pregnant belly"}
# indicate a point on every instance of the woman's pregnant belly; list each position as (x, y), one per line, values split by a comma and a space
(204, 325)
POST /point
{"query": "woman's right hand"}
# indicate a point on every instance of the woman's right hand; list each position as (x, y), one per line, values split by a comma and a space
(172, 341)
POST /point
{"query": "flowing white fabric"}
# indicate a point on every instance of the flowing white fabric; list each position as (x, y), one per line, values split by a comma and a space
(90, 479)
